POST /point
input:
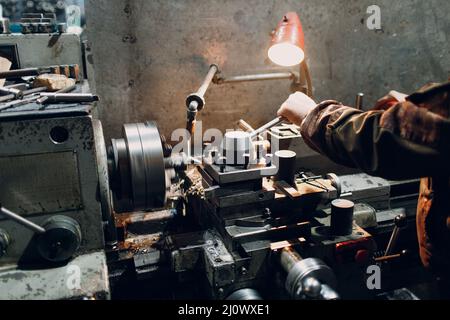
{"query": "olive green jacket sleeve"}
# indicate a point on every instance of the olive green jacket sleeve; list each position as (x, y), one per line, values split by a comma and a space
(405, 141)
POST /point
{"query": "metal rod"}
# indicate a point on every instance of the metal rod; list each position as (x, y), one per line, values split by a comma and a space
(399, 222)
(257, 77)
(11, 91)
(17, 103)
(70, 71)
(22, 221)
(7, 97)
(245, 126)
(19, 73)
(208, 79)
(305, 178)
(24, 93)
(43, 99)
(22, 86)
(392, 241)
(305, 76)
(69, 97)
(34, 90)
(195, 102)
(359, 101)
(265, 127)
(390, 257)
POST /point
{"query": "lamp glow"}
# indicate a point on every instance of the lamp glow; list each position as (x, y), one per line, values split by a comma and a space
(287, 47)
(286, 54)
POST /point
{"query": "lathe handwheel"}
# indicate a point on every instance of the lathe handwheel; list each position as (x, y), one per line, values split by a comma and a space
(61, 239)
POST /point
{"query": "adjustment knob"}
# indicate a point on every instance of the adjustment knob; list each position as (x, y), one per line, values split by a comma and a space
(61, 239)
(400, 220)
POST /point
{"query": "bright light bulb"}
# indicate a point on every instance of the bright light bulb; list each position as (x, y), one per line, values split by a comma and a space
(286, 54)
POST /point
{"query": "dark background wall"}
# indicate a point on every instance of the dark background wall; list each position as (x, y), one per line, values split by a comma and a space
(149, 55)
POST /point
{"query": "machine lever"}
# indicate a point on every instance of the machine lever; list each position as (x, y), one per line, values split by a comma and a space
(195, 101)
(400, 222)
(392, 257)
(265, 127)
(22, 221)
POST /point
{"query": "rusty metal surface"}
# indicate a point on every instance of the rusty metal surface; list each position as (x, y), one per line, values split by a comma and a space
(149, 55)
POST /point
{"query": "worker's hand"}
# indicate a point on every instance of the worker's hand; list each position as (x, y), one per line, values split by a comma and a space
(296, 107)
(389, 100)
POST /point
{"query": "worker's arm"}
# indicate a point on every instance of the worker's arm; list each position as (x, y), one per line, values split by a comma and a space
(405, 141)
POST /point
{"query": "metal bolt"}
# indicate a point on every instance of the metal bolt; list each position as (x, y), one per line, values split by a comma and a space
(243, 271)
(246, 160)
(269, 158)
(223, 164)
(213, 155)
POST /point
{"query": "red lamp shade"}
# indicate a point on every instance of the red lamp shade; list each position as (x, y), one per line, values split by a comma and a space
(287, 46)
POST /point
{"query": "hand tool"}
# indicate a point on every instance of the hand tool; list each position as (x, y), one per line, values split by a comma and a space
(68, 97)
(71, 71)
(265, 127)
(43, 99)
(27, 97)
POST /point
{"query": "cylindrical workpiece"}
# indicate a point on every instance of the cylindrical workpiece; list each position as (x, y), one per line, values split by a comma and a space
(341, 217)
(236, 144)
(285, 162)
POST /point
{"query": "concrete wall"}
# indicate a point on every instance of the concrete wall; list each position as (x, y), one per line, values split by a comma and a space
(149, 55)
